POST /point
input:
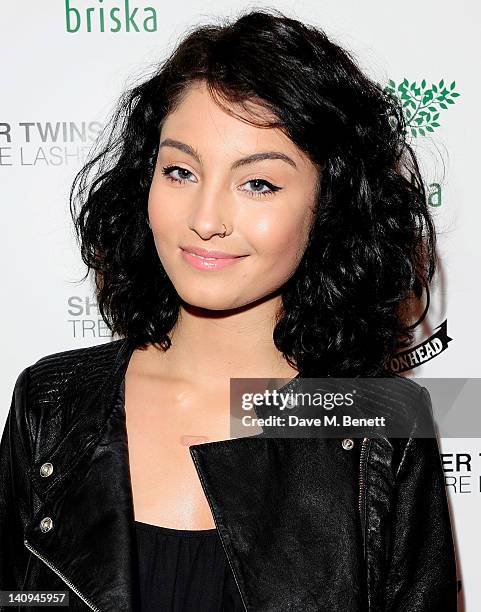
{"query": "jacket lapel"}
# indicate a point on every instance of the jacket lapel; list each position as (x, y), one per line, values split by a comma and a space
(290, 548)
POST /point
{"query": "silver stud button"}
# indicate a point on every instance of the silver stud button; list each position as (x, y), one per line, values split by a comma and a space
(46, 469)
(347, 443)
(46, 524)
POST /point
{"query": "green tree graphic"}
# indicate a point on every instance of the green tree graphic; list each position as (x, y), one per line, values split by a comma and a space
(421, 104)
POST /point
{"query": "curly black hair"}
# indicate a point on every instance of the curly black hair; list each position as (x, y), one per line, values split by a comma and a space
(371, 249)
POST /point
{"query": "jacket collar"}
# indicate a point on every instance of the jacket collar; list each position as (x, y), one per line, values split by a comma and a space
(263, 494)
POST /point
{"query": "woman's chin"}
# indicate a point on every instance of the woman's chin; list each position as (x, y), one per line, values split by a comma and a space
(209, 302)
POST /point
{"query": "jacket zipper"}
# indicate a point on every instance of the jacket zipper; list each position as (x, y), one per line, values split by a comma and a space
(362, 487)
(220, 538)
(62, 576)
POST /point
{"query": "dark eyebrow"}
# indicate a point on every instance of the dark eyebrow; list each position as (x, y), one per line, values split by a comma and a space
(169, 142)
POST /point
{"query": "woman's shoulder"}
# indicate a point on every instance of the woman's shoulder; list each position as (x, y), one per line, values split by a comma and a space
(76, 357)
(69, 370)
(399, 390)
(60, 382)
(401, 405)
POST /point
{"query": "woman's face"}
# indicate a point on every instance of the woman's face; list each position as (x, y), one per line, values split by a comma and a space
(203, 186)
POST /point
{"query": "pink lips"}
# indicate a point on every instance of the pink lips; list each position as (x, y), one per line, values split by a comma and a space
(203, 259)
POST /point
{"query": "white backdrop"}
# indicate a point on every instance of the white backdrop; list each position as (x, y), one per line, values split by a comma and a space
(58, 87)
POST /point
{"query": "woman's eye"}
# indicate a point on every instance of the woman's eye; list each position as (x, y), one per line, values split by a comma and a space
(259, 190)
(260, 187)
(181, 178)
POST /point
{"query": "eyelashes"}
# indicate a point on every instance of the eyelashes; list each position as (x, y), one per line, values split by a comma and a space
(271, 189)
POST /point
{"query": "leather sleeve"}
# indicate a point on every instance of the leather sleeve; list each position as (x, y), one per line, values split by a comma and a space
(421, 573)
(14, 489)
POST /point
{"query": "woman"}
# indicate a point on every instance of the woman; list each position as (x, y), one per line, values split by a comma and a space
(256, 212)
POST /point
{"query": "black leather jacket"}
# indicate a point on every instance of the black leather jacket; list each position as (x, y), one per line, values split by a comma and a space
(306, 524)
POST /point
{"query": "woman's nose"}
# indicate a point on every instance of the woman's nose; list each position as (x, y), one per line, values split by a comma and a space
(211, 212)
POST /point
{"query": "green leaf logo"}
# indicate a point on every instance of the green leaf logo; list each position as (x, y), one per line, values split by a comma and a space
(422, 104)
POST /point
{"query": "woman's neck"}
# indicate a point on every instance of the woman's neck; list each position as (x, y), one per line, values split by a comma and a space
(210, 346)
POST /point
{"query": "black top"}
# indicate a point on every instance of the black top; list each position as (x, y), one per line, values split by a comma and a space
(184, 570)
